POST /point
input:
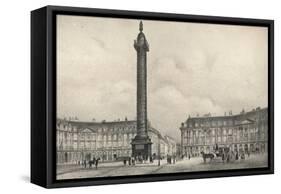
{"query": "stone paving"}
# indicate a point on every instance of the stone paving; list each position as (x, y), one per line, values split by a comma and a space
(194, 164)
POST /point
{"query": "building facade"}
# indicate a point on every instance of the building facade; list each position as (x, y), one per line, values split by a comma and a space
(77, 141)
(244, 132)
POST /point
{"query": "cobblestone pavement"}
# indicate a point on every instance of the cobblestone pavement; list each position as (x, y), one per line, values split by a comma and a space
(197, 164)
(194, 164)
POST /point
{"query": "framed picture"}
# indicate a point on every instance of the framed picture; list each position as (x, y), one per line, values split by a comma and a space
(126, 96)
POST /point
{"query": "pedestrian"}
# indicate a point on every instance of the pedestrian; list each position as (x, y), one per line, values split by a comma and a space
(85, 164)
(243, 156)
(130, 160)
(150, 159)
(236, 156)
(133, 161)
(124, 161)
(227, 157)
(188, 156)
(223, 157)
(97, 162)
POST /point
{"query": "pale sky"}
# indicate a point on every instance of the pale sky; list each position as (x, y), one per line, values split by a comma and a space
(192, 68)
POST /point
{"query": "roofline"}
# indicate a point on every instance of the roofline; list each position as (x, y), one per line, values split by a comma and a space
(227, 116)
(77, 122)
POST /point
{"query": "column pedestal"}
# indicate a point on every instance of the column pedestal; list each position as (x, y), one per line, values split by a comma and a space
(141, 147)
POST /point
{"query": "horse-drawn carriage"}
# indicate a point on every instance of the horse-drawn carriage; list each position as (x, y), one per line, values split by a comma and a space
(220, 153)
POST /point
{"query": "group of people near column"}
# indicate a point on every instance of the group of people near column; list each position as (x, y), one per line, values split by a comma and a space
(90, 163)
(140, 159)
(171, 159)
(130, 161)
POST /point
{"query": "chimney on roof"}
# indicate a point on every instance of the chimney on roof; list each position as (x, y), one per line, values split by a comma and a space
(230, 112)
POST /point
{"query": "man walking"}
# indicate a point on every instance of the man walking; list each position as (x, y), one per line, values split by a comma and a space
(97, 163)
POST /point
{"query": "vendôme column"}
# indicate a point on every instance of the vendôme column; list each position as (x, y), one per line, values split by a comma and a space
(141, 144)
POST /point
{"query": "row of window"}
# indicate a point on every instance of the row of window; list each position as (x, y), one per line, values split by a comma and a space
(74, 157)
(92, 136)
(226, 138)
(70, 128)
(210, 123)
(91, 145)
(219, 131)
(215, 123)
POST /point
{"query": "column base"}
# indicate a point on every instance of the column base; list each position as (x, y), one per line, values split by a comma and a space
(141, 147)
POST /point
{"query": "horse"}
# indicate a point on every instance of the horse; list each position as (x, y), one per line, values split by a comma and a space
(91, 163)
(205, 156)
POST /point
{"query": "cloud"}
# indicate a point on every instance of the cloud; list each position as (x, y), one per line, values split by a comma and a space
(192, 68)
(106, 101)
(168, 107)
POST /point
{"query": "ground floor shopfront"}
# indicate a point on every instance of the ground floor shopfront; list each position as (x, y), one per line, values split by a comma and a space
(74, 157)
(247, 147)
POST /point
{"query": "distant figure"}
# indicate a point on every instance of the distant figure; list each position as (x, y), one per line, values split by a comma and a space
(151, 159)
(97, 163)
(133, 161)
(130, 161)
(140, 159)
(124, 161)
(189, 156)
(248, 154)
(223, 157)
(227, 157)
(146, 158)
(236, 156)
(85, 164)
(243, 156)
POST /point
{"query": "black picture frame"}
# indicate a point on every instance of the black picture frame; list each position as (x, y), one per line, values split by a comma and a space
(43, 95)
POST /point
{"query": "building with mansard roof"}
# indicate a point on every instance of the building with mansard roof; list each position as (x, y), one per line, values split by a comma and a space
(78, 141)
(244, 132)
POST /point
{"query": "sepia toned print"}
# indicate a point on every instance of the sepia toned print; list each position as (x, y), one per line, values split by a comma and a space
(147, 97)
